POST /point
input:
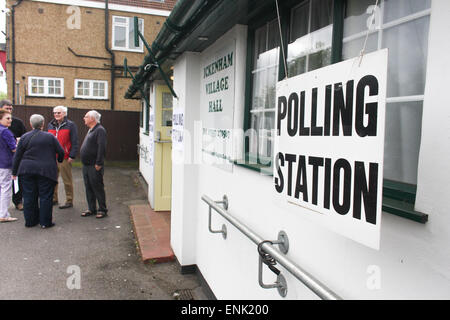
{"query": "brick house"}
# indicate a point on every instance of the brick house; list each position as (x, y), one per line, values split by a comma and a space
(71, 53)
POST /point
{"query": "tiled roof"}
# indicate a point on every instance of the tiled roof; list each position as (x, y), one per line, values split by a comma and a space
(152, 4)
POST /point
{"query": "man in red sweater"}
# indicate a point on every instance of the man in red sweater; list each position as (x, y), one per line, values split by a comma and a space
(66, 133)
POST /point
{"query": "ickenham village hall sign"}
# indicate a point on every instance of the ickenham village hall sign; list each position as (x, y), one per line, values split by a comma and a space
(329, 145)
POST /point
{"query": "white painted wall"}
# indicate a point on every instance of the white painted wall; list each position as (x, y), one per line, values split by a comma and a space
(146, 165)
(184, 213)
(413, 260)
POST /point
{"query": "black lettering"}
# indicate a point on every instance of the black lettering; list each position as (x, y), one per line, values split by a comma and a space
(367, 191)
(304, 131)
(290, 158)
(279, 182)
(315, 130)
(301, 183)
(316, 162)
(281, 112)
(344, 109)
(327, 115)
(327, 184)
(371, 108)
(292, 104)
(345, 166)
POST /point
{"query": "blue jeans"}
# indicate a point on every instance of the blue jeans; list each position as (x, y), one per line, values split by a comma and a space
(37, 199)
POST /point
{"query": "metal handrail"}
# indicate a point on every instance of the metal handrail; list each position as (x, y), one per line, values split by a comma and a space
(308, 280)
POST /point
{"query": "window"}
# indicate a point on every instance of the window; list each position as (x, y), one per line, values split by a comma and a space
(45, 87)
(91, 89)
(123, 34)
(318, 36)
(402, 26)
(309, 48)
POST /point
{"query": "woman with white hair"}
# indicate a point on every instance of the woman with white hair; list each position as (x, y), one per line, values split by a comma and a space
(35, 163)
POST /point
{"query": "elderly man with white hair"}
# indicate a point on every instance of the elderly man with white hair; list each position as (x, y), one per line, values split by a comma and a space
(66, 132)
(92, 154)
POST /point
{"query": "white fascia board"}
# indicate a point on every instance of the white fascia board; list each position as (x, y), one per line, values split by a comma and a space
(111, 6)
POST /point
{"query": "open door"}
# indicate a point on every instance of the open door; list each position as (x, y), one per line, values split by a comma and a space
(163, 149)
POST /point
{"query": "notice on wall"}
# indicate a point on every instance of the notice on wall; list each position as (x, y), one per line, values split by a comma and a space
(329, 145)
(177, 127)
(217, 104)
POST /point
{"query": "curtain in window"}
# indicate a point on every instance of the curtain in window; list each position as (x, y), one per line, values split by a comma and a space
(402, 27)
(311, 33)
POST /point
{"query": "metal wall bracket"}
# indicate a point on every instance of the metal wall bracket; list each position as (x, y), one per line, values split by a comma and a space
(280, 284)
(223, 231)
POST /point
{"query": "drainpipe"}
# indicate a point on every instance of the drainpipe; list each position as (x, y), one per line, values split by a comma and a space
(13, 52)
(110, 52)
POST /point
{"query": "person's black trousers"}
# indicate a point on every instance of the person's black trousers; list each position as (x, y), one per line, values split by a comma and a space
(95, 189)
(17, 197)
(37, 199)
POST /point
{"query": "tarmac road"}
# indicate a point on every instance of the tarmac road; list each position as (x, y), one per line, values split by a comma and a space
(84, 257)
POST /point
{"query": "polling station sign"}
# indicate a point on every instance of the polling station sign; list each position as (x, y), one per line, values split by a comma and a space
(329, 145)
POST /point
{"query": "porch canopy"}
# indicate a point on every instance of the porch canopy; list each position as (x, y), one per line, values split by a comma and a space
(193, 26)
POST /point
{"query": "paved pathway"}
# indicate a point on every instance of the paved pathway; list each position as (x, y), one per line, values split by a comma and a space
(40, 263)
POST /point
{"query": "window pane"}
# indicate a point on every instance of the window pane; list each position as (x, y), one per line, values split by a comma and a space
(401, 149)
(310, 51)
(352, 48)
(395, 9)
(131, 33)
(357, 16)
(120, 36)
(300, 18)
(321, 14)
(408, 47)
(120, 20)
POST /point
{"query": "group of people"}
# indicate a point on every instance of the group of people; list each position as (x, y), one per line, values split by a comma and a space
(31, 162)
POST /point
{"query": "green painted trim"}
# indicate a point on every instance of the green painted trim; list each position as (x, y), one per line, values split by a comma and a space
(338, 30)
(248, 86)
(404, 210)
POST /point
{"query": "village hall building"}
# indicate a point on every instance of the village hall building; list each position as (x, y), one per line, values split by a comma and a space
(302, 146)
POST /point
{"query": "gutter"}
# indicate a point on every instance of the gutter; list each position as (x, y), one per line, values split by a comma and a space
(110, 52)
(13, 51)
(181, 21)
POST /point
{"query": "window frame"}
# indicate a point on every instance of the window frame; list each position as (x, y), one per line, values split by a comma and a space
(46, 87)
(91, 91)
(127, 34)
(403, 193)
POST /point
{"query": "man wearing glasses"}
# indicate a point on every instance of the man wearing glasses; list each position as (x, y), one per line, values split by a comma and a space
(18, 129)
(66, 132)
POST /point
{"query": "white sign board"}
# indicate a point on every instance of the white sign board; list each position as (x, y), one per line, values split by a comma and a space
(177, 126)
(217, 104)
(329, 145)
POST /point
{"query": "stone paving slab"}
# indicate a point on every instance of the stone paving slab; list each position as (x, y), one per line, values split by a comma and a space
(152, 231)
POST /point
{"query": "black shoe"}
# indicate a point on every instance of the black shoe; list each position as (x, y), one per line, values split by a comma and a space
(66, 205)
(49, 226)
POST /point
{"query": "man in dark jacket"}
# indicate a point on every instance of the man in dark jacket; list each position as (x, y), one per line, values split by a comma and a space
(35, 163)
(18, 129)
(66, 132)
(92, 155)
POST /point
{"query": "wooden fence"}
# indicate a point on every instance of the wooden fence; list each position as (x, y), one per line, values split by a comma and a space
(122, 128)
